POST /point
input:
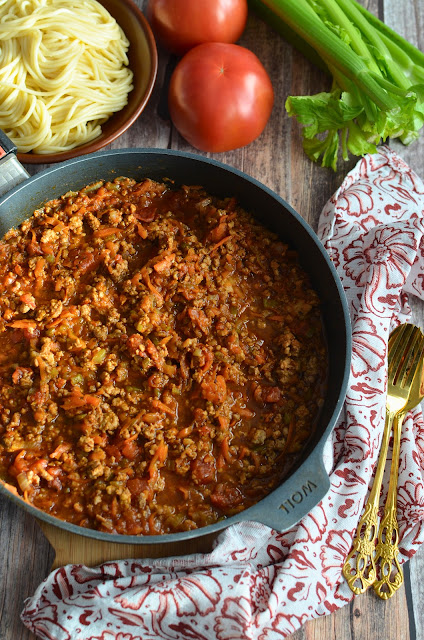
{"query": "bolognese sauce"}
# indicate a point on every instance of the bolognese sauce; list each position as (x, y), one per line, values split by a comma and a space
(162, 360)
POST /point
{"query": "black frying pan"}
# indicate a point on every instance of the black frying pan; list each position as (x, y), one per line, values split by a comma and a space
(309, 482)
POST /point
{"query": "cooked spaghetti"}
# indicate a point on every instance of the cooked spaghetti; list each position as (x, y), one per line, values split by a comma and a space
(63, 72)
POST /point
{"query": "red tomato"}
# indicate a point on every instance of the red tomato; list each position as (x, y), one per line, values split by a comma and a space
(220, 97)
(180, 25)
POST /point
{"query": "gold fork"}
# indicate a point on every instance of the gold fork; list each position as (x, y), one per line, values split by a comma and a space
(402, 350)
(391, 574)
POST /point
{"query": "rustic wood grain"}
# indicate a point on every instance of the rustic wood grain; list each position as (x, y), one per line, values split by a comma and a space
(26, 559)
(277, 160)
(417, 592)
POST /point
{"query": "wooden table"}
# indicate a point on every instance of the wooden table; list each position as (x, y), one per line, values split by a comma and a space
(277, 160)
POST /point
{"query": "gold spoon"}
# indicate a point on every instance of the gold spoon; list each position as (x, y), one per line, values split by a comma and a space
(359, 566)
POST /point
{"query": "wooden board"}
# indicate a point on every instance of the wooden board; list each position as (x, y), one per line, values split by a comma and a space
(71, 548)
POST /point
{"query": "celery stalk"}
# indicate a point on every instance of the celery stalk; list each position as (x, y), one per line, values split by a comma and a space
(412, 53)
(288, 34)
(378, 77)
(303, 20)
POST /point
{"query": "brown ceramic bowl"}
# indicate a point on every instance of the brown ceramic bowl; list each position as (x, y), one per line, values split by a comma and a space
(143, 62)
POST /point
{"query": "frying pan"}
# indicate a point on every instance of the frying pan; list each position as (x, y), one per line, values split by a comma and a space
(308, 482)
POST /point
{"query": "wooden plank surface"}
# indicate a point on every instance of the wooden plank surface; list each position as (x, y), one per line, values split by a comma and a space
(276, 159)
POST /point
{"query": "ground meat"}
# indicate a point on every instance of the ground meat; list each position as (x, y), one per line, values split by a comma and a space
(161, 358)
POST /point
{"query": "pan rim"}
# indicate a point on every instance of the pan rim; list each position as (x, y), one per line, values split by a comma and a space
(316, 451)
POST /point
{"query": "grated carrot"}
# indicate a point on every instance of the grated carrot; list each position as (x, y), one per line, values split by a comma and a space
(131, 438)
(290, 434)
(243, 451)
(142, 187)
(78, 399)
(161, 406)
(38, 285)
(159, 456)
(152, 524)
(225, 448)
(59, 255)
(23, 324)
(114, 507)
(227, 217)
(183, 433)
(56, 321)
(61, 448)
(39, 362)
(220, 463)
(142, 231)
(39, 267)
(148, 282)
(218, 244)
(104, 233)
(208, 361)
(164, 263)
(223, 422)
(244, 412)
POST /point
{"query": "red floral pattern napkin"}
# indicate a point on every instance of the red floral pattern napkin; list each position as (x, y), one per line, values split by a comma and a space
(258, 583)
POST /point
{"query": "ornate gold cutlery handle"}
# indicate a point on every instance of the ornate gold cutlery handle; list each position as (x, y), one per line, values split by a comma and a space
(405, 389)
(390, 571)
(359, 566)
(386, 555)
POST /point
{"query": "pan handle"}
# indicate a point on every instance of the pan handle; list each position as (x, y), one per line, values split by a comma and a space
(12, 172)
(295, 498)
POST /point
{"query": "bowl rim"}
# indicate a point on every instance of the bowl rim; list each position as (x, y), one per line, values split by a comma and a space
(314, 456)
(100, 142)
